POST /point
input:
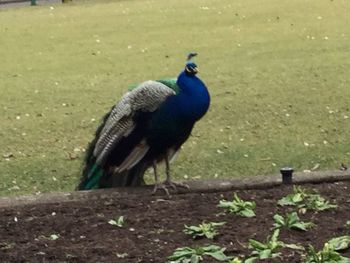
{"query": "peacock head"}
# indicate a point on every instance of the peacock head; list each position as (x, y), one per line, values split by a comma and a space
(191, 68)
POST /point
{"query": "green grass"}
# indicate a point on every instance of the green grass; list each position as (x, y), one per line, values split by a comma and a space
(278, 73)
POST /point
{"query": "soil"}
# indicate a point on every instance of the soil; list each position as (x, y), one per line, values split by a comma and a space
(154, 226)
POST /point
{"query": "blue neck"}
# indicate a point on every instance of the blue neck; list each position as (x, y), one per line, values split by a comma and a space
(193, 99)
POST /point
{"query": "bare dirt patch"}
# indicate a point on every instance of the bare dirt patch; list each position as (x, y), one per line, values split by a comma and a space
(154, 226)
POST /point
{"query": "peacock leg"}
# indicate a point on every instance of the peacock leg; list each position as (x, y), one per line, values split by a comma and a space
(157, 185)
(168, 180)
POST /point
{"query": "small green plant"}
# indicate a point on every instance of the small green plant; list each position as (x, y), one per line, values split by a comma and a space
(195, 255)
(205, 229)
(304, 200)
(119, 222)
(291, 221)
(295, 198)
(318, 203)
(54, 237)
(269, 249)
(327, 255)
(121, 255)
(340, 243)
(239, 206)
(51, 237)
(6, 245)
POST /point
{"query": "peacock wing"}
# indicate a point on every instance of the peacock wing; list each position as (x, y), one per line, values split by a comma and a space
(146, 97)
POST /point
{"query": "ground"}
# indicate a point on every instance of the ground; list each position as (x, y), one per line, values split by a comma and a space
(277, 74)
(154, 226)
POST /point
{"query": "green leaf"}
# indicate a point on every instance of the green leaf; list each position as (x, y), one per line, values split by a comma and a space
(238, 206)
(279, 220)
(318, 203)
(218, 255)
(121, 255)
(236, 260)
(297, 198)
(293, 221)
(265, 254)
(195, 258)
(254, 244)
(294, 198)
(218, 223)
(294, 246)
(292, 217)
(270, 248)
(247, 213)
(216, 252)
(211, 248)
(112, 222)
(301, 226)
(250, 260)
(210, 235)
(190, 255)
(340, 243)
(326, 255)
(54, 237)
(182, 252)
(274, 237)
(285, 201)
(204, 229)
(305, 200)
(119, 222)
(347, 224)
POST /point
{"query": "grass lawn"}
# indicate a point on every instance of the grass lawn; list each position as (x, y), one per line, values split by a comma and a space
(278, 73)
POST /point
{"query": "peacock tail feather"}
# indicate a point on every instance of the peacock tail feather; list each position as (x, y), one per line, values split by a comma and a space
(94, 177)
(91, 171)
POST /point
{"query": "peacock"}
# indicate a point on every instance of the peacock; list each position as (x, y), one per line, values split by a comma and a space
(146, 127)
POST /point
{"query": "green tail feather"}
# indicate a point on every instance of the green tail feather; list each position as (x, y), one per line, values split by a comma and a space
(93, 177)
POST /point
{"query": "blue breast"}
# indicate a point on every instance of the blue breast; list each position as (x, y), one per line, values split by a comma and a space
(193, 99)
(174, 120)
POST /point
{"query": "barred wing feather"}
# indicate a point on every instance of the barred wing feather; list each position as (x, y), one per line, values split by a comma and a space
(146, 97)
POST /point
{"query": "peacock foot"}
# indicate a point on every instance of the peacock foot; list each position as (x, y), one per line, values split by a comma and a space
(169, 184)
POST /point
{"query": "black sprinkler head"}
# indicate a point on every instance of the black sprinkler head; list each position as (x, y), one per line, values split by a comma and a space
(287, 175)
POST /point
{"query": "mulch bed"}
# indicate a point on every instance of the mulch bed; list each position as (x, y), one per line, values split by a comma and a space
(154, 226)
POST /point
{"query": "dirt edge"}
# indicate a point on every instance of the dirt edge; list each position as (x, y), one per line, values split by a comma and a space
(203, 186)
